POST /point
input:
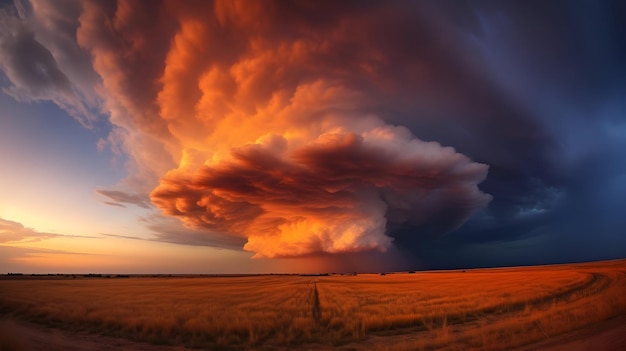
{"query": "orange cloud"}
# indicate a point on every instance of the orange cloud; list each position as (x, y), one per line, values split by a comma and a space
(334, 194)
(262, 121)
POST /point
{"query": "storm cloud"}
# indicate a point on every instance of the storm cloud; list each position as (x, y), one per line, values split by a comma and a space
(271, 137)
(333, 195)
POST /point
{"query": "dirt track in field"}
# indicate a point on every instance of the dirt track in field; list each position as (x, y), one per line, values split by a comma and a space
(606, 336)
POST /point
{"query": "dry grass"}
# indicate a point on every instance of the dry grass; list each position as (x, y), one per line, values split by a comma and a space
(196, 311)
(476, 310)
(374, 303)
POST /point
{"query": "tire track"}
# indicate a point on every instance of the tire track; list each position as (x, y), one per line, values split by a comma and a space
(412, 332)
(316, 309)
(595, 284)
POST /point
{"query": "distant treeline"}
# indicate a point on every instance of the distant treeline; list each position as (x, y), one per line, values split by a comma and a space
(90, 275)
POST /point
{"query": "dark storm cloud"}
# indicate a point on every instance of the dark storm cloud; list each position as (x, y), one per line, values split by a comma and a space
(557, 196)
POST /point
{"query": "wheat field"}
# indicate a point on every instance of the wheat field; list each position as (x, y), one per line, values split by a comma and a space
(482, 309)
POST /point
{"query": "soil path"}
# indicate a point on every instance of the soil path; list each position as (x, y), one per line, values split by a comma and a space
(606, 336)
(22, 336)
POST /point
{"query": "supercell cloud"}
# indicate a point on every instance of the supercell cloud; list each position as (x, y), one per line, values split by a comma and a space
(252, 122)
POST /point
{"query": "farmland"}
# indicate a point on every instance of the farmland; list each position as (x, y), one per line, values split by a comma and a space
(479, 309)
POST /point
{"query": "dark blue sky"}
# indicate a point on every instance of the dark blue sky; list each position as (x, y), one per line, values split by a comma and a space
(549, 118)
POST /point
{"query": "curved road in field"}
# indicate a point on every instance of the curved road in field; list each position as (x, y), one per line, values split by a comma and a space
(606, 336)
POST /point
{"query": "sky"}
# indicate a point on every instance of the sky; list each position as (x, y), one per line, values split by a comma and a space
(285, 137)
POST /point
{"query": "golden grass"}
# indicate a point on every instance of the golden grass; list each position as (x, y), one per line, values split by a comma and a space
(476, 310)
(197, 311)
